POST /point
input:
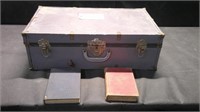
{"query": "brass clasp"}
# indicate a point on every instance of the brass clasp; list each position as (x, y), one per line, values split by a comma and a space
(96, 46)
(141, 47)
(45, 47)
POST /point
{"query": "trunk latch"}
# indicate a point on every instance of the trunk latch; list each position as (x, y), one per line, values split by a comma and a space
(96, 47)
(45, 47)
(141, 47)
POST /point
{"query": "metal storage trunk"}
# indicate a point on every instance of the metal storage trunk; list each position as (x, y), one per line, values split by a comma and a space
(92, 38)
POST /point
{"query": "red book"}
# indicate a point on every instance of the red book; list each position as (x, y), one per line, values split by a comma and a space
(120, 85)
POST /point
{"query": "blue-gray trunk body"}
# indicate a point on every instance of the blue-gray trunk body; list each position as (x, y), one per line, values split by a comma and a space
(71, 50)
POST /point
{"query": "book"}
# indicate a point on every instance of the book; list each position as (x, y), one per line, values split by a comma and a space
(63, 87)
(120, 85)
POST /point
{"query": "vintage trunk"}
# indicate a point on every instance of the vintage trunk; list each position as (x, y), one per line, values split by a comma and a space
(92, 38)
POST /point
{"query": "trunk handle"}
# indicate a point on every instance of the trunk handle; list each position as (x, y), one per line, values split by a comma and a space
(96, 59)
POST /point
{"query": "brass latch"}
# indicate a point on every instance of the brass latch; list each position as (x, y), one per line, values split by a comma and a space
(45, 47)
(96, 46)
(141, 47)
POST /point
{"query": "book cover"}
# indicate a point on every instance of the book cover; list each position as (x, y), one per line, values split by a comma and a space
(120, 85)
(63, 87)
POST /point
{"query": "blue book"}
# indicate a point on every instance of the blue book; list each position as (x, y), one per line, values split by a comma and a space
(63, 87)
